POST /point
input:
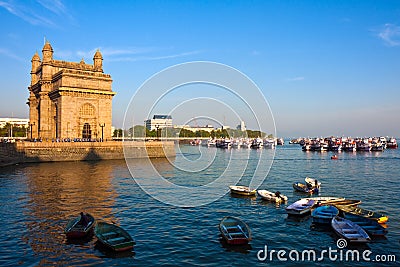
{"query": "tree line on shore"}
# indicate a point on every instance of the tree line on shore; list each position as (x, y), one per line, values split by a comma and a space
(10, 130)
(141, 131)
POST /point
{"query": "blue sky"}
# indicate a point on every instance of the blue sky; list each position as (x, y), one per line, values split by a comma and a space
(325, 67)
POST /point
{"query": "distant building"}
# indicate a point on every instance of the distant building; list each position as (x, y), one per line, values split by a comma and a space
(15, 122)
(241, 126)
(208, 128)
(69, 99)
(158, 122)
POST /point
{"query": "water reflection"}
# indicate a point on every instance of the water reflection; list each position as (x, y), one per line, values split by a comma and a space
(59, 191)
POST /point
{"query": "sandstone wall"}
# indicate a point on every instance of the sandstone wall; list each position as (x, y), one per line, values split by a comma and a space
(22, 152)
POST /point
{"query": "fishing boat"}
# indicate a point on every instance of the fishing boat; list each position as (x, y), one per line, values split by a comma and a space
(352, 232)
(324, 214)
(343, 202)
(242, 190)
(113, 237)
(372, 227)
(325, 200)
(357, 211)
(392, 143)
(300, 207)
(304, 188)
(80, 226)
(235, 231)
(270, 196)
(312, 182)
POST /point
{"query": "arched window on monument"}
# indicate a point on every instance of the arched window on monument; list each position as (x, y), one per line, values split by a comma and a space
(86, 132)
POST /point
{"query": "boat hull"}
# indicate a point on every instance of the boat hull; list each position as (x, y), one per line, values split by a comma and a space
(350, 231)
(242, 190)
(324, 214)
(235, 231)
(113, 237)
(300, 207)
(75, 229)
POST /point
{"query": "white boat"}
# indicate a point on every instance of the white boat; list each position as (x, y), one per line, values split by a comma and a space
(270, 196)
(300, 207)
(312, 182)
(349, 230)
(242, 190)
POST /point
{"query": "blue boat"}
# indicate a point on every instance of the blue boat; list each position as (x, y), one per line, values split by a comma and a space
(352, 232)
(372, 227)
(324, 214)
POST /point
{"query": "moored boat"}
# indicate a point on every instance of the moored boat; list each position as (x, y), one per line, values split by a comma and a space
(324, 214)
(312, 182)
(235, 231)
(242, 190)
(372, 227)
(300, 207)
(352, 232)
(343, 202)
(80, 226)
(304, 188)
(334, 157)
(351, 210)
(392, 143)
(113, 237)
(270, 196)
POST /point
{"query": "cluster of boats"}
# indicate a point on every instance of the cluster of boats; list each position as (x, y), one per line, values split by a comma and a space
(256, 143)
(344, 216)
(109, 235)
(338, 144)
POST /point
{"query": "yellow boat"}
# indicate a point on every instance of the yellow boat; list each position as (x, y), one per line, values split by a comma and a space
(242, 190)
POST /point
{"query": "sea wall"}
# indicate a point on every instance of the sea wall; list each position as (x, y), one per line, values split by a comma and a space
(24, 152)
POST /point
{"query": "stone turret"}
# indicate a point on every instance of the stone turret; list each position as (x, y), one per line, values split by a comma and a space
(35, 64)
(98, 61)
(47, 52)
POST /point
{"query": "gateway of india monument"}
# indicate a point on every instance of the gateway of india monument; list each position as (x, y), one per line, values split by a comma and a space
(72, 102)
(68, 99)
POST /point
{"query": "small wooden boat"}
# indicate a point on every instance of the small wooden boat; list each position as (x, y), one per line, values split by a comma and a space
(275, 197)
(304, 188)
(334, 157)
(80, 226)
(372, 227)
(324, 214)
(349, 230)
(343, 202)
(242, 190)
(312, 182)
(351, 210)
(113, 237)
(300, 207)
(235, 231)
(323, 200)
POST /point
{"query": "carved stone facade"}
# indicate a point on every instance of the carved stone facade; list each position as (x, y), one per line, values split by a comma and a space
(69, 99)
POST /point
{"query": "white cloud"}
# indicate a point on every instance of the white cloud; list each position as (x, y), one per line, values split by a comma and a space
(33, 17)
(390, 34)
(121, 55)
(300, 78)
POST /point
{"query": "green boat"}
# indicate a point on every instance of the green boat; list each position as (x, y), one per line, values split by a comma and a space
(113, 237)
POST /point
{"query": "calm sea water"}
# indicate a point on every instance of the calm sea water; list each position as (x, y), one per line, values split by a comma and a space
(38, 199)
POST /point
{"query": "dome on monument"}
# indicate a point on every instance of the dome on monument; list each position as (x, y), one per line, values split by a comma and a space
(97, 55)
(47, 47)
(36, 57)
